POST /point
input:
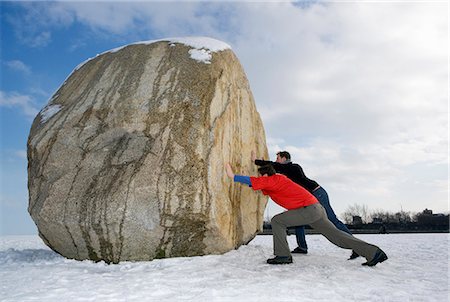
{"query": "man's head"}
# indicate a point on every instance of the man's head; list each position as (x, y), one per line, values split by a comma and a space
(267, 170)
(283, 156)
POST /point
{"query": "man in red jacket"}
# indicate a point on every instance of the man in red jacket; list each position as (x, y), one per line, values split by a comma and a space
(302, 208)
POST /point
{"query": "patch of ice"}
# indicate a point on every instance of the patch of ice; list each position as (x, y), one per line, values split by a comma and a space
(49, 111)
(201, 55)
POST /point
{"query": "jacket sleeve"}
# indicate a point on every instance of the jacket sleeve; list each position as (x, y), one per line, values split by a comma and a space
(261, 162)
(279, 168)
(243, 179)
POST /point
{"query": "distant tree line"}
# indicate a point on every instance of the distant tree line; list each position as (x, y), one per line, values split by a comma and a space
(360, 219)
(360, 214)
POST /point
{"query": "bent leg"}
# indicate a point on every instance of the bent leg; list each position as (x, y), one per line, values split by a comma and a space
(342, 239)
(290, 218)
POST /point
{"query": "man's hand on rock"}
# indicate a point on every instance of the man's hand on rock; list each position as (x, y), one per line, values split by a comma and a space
(229, 170)
(253, 156)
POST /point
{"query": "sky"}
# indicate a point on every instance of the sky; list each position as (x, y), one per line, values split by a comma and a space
(356, 91)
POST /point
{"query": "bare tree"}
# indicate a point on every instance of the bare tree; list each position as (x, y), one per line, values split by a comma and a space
(347, 216)
(383, 215)
(356, 210)
(388, 217)
(403, 216)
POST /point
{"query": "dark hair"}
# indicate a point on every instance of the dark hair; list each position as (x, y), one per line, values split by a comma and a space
(284, 154)
(267, 169)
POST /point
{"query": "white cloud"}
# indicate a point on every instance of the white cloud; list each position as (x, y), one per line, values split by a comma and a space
(358, 90)
(33, 26)
(40, 39)
(116, 20)
(113, 17)
(19, 66)
(24, 102)
(358, 102)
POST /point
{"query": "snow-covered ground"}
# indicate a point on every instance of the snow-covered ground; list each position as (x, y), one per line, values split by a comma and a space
(417, 270)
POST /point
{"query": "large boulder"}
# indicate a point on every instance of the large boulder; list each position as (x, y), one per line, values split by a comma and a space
(126, 162)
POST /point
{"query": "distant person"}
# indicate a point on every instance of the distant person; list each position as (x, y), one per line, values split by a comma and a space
(302, 208)
(295, 172)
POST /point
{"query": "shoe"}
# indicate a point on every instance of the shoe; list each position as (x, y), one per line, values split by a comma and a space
(354, 255)
(299, 250)
(280, 260)
(379, 257)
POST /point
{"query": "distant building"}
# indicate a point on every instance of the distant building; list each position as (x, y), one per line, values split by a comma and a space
(427, 218)
(427, 212)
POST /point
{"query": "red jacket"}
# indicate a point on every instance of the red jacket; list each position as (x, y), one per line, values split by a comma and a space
(283, 191)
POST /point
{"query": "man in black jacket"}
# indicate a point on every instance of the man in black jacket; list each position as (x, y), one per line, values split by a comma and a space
(295, 172)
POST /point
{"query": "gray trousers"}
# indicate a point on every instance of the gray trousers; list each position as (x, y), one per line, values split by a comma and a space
(315, 216)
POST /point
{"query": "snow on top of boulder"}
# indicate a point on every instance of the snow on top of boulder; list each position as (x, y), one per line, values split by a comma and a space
(202, 47)
(201, 55)
(201, 43)
(193, 42)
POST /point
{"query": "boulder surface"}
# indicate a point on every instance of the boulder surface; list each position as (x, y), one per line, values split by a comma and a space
(126, 162)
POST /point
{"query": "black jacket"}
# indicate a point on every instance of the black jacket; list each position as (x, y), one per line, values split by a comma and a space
(292, 171)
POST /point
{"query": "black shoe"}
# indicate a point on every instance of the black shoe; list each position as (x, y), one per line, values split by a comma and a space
(354, 255)
(379, 257)
(280, 260)
(299, 250)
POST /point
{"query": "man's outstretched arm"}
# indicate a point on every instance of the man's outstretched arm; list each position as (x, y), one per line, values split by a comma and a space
(237, 178)
(261, 162)
(279, 168)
